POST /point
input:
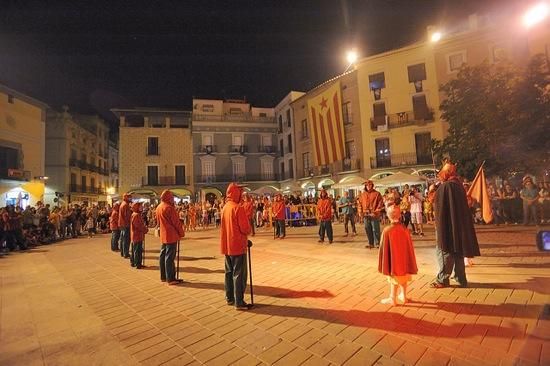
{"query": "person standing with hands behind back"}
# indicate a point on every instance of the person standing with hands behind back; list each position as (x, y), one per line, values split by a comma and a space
(171, 231)
(138, 229)
(235, 227)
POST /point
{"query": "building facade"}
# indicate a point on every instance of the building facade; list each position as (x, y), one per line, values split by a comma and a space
(22, 147)
(113, 184)
(233, 142)
(286, 140)
(311, 177)
(155, 152)
(77, 161)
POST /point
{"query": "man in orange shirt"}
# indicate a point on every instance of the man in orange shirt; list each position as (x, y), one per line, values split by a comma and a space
(235, 228)
(370, 208)
(279, 216)
(124, 215)
(324, 215)
(113, 225)
(171, 231)
(138, 229)
(248, 206)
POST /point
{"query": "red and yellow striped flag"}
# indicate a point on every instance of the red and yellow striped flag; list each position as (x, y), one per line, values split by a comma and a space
(326, 125)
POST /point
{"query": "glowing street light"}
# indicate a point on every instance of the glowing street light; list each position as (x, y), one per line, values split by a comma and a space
(436, 36)
(536, 15)
(352, 57)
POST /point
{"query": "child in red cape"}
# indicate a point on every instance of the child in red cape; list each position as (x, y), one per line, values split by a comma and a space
(396, 258)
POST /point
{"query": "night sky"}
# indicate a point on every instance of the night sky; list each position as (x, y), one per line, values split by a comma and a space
(101, 55)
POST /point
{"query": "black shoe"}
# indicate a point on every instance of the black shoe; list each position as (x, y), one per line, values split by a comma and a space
(230, 302)
(244, 306)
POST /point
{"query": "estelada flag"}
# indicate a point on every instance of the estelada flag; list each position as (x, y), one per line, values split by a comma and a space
(479, 192)
(326, 125)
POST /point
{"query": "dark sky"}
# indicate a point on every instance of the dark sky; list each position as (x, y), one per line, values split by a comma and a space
(94, 55)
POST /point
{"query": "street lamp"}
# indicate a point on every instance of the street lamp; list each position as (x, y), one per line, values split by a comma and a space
(351, 57)
(536, 15)
(436, 36)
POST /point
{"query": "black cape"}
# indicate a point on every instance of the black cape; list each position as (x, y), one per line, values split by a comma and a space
(454, 221)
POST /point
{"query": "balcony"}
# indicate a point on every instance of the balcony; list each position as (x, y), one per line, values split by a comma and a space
(208, 149)
(237, 178)
(402, 119)
(75, 188)
(232, 117)
(238, 149)
(165, 181)
(267, 149)
(152, 151)
(338, 167)
(399, 160)
(114, 170)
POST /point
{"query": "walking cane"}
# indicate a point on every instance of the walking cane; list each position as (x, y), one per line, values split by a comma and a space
(143, 253)
(250, 272)
(178, 263)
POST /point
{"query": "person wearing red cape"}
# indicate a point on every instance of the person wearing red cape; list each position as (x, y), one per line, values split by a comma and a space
(455, 233)
(396, 258)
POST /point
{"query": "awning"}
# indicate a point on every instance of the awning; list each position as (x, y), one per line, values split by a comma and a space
(181, 192)
(350, 182)
(266, 190)
(325, 183)
(399, 178)
(143, 192)
(206, 190)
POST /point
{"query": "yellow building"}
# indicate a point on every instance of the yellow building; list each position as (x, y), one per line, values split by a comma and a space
(22, 129)
(76, 158)
(311, 177)
(155, 152)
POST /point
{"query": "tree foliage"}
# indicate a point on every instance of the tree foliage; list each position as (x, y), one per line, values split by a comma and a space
(500, 114)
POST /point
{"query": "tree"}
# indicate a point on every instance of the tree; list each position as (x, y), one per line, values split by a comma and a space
(499, 114)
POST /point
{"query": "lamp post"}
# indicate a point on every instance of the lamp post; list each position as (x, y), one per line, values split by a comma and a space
(536, 14)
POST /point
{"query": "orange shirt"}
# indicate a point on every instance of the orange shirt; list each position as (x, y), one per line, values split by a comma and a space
(137, 228)
(278, 208)
(324, 209)
(171, 229)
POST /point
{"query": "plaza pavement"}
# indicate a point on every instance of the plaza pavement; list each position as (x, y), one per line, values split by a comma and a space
(78, 303)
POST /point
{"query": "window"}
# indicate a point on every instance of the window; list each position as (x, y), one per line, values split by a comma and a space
(288, 122)
(377, 81)
(416, 72)
(208, 108)
(11, 99)
(266, 140)
(73, 154)
(238, 168)
(238, 140)
(152, 145)
(306, 163)
(280, 124)
(83, 183)
(379, 113)
(152, 175)
(383, 156)
(346, 113)
(351, 152)
(84, 158)
(263, 114)
(290, 168)
(281, 148)
(72, 188)
(9, 159)
(208, 168)
(420, 108)
(423, 143)
(180, 174)
(92, 183)
(456, 60)
(235, 111)
(267, 169)
(289, 141)
(305, 132)
(499, 54)
(207, 140)
(282, 170)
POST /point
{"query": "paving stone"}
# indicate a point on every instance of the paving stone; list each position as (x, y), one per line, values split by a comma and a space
(363, 357)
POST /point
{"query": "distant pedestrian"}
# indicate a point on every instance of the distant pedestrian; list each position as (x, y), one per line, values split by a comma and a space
(324, 215)
(248, 205)
(138, 229)
(235, 227)
(90, 225)
(346, 205)
(278, 208)
(171, 231)
(370, 208)
(113, 225)
(396, 258)
(124, 215)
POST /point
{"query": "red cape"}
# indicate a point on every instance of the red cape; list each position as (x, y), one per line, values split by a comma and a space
(396, 255)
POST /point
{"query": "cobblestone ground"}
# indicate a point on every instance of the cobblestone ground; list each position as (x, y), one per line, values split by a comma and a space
(76, 302)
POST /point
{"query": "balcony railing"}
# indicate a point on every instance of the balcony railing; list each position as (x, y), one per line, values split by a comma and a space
(238, 149)
(208, 149)
(340, 166)
(232, 117)
(114, 170)
(75, 188)
(267, 149)
(165, 181)
(396, 120)
(397, 160)
(237, 178)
